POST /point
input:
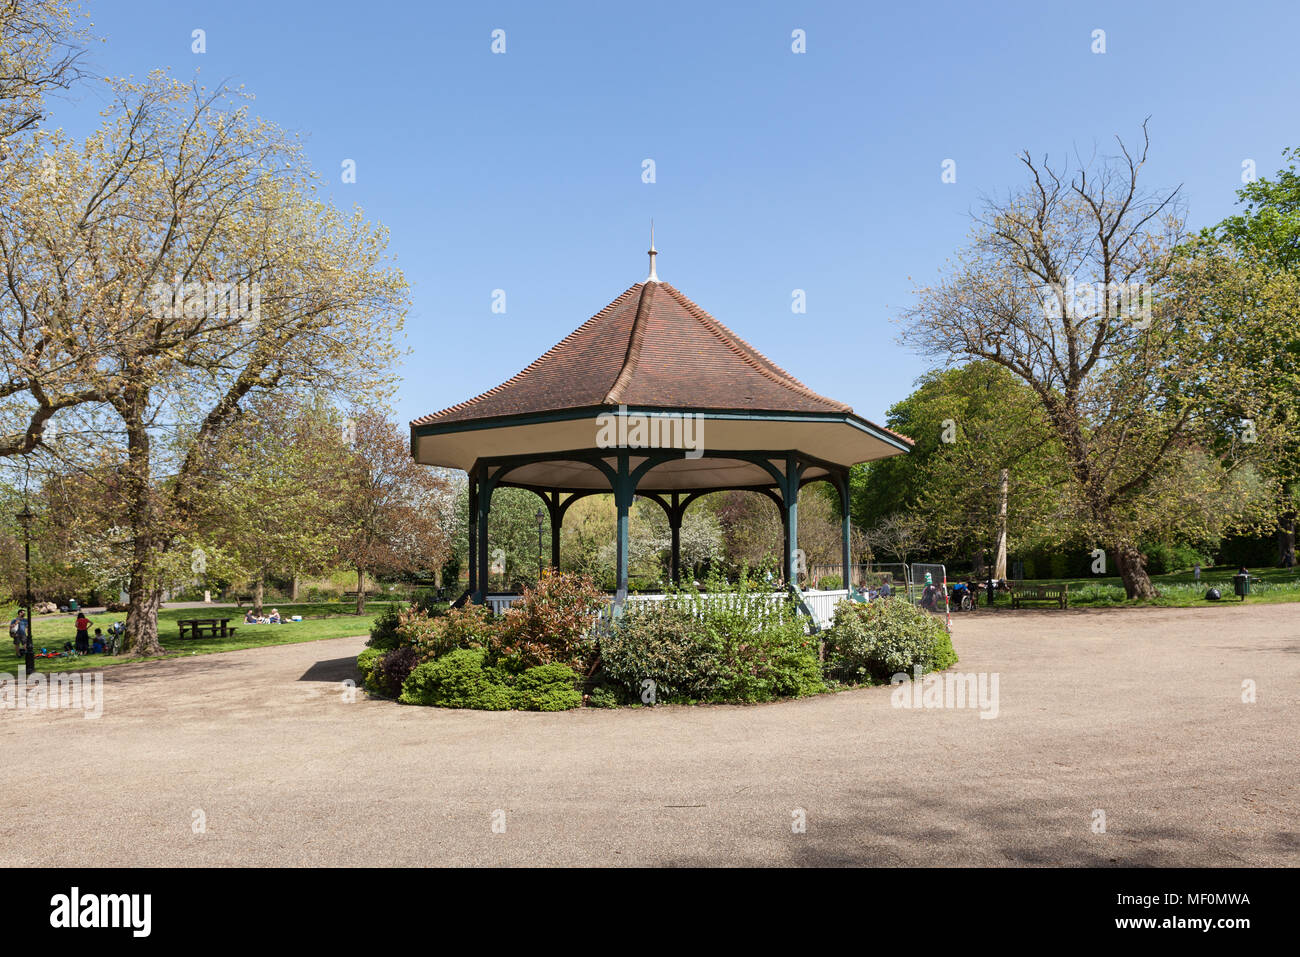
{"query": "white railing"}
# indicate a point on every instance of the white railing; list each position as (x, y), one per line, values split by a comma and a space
(820, 603)
(499, 603)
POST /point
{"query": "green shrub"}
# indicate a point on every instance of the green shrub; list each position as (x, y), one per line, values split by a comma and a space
(422, 632)
(383, 633)
(737, 648)
(790, 659)
(1058, 565)
(1163, 559)
(366, 661)
(764, 656)
(878, 639)
(661, 641)
(606, 696)
(427, 601)
(458, 680)
(550, 687)
(829, 583)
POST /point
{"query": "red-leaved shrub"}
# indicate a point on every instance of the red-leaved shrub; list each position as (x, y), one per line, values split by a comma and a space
(552, 623)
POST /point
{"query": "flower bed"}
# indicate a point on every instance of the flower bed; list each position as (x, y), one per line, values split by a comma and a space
(543, 653)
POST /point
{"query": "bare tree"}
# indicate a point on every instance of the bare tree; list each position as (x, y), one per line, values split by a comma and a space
(897, 536)
(1060, 286)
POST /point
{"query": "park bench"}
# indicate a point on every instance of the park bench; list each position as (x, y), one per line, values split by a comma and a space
(1057, 593)
(205, 627)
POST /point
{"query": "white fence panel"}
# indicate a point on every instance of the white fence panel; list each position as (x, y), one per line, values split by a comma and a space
(499, 603)
(820, 603)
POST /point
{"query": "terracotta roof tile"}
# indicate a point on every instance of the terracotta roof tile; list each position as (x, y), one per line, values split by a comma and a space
(651, 347)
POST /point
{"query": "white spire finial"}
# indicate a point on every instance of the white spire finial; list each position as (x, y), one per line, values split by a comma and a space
(654, 276)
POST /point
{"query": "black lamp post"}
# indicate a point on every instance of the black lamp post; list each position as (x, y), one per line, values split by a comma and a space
(25, 520)
(540, 515)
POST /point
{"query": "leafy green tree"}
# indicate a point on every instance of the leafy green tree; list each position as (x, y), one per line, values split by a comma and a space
(184, 252)
(513, 536)
(985, 474)
(1269, 223)
(271, 507)
(1253, 259)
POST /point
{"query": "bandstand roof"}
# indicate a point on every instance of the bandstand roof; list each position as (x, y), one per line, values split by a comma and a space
(655, 354)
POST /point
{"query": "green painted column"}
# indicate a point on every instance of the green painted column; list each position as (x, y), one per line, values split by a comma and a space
(473, 533)
(675, 525)
(484, 509)
(790, 517)
(557, 519)
(623, 493)
(845, 529)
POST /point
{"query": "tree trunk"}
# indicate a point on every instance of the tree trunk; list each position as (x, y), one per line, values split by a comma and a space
(259, 591)
(1133, 572)
(1286, 540)
(1000, 548)
(361, 591)
(293, 595)
(142, 618)
(143, 589)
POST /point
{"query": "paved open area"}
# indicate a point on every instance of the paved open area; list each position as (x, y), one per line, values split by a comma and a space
(258, 758)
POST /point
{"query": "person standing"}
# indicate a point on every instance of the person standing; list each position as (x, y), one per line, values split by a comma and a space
(930, 594)
(83, 633)
(18, 632)
(1196, 572)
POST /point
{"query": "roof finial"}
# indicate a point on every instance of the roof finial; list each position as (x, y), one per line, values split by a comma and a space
(654, 276)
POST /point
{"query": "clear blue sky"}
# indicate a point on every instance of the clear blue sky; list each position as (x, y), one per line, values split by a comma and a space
(775, 171)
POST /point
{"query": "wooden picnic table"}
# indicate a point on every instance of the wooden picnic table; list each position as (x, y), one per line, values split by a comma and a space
(209, 627)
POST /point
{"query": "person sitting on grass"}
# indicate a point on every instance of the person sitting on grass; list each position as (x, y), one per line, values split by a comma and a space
(250, 618)
(275, 616)
(97, 646)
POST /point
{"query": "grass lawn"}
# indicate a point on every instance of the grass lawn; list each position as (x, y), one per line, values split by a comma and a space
(1177, 590)
(320, 621)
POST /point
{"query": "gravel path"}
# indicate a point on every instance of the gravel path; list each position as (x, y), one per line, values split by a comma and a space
(1134, 712)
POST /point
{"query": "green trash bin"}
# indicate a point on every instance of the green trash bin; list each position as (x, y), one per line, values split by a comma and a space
(72, 605)
(1241, 586)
